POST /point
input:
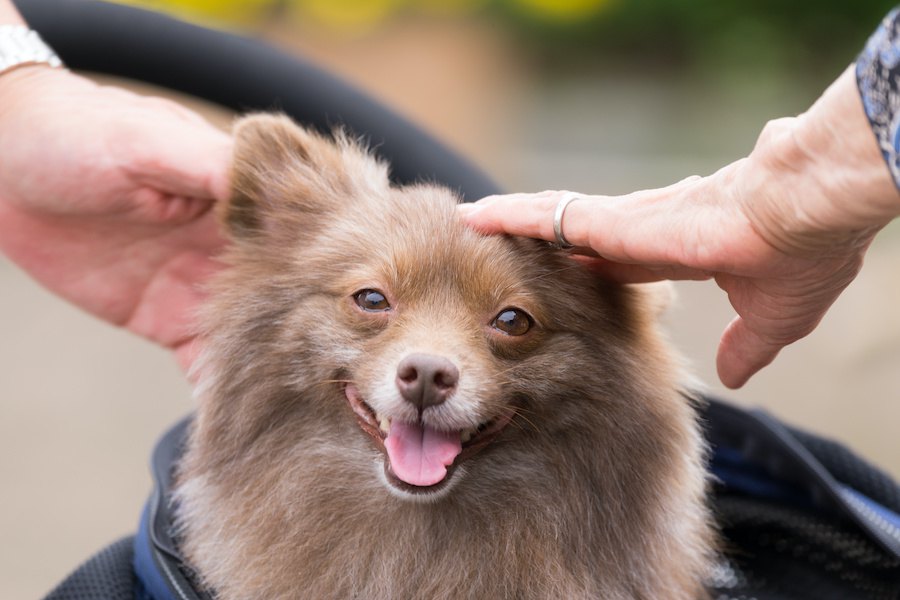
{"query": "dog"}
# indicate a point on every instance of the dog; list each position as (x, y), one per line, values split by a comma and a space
(394, 406)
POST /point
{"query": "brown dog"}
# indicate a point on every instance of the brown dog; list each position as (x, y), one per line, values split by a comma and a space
(393, 406)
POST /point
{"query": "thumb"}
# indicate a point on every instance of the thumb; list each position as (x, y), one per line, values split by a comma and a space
(742, 352)
(186, 159)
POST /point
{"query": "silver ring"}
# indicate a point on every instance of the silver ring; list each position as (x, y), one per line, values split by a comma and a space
(561, 240)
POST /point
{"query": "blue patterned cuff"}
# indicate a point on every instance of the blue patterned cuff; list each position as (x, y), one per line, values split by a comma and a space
(878, 79)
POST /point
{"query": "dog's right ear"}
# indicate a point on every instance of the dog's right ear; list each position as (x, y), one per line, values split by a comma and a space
(285, 177)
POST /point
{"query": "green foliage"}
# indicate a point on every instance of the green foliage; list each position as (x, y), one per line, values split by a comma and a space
(770, 35)
(764, 34)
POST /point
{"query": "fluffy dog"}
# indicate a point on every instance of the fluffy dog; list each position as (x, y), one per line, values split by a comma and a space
(393, 406)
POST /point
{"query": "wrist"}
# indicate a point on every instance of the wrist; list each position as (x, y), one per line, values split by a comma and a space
(17, 87)
(9, 15)
(21, 76)
(817, 183)
(27, 84)
(21, 47)
(836, 135)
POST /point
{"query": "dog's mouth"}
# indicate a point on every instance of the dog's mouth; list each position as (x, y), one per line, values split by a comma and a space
(419, 458)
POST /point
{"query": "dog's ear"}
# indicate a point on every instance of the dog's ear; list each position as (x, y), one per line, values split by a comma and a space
(285, 175)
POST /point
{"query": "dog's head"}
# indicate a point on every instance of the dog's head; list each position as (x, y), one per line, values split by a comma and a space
(363, 345)
(367, 320)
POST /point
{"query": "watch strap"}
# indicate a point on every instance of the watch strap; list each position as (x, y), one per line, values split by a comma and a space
(20, 45)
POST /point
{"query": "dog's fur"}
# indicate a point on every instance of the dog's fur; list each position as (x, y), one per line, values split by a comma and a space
(594, 490)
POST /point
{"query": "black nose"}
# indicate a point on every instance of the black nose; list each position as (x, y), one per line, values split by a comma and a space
(426, 380)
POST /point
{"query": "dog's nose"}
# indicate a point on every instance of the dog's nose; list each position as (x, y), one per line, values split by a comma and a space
(426, 380)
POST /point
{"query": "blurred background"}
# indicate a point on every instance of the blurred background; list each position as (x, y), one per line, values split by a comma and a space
(600, 96)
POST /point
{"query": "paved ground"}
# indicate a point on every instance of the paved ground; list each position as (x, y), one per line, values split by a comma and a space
(81, 402)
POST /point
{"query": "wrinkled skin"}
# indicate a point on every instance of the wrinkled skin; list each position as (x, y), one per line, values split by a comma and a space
(782, 231)
(105, 198)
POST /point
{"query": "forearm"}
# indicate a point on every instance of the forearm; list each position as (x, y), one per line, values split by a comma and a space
(836, 133)
(816, 182)
(18, 63)
(9, 15)
(20, 50)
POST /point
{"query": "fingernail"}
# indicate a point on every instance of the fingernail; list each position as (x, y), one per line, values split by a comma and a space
(467, 210)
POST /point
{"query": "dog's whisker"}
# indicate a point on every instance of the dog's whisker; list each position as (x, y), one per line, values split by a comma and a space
(328, 381)
(552, 273)
(518, 413)
(504, 372)
(523, 410)
(513, 287)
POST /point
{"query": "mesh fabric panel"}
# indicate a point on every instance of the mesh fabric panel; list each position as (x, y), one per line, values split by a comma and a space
(108, 575)
(848, 468)
(775, 552)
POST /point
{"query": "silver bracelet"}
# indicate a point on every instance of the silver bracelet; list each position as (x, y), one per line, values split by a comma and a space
(20, 45)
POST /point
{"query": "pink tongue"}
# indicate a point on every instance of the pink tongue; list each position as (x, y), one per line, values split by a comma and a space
(420, 455)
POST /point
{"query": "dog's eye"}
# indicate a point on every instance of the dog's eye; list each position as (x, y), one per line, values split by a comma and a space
(371, 300)
(512, 321)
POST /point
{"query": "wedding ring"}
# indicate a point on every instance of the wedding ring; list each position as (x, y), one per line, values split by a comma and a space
(561, 241)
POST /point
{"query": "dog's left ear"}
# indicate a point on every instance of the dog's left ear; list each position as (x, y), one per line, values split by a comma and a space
(288, 177)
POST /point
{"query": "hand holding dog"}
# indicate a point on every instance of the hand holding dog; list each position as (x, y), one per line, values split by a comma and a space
(105, 197)
(782, 231)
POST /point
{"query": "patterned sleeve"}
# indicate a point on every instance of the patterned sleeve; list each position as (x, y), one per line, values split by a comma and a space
(878, 79)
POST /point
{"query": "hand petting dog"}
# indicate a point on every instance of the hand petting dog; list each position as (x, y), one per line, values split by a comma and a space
(782, 232)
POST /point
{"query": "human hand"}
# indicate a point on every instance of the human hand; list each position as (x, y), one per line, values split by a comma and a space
(105, 199)
(782, 232)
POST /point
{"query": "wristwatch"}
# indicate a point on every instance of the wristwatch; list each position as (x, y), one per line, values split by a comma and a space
(22, 46)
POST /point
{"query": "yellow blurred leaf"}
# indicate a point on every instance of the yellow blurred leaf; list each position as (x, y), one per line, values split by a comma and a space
(352, 15)
(448, 7)
(563, 10)
(232, 11)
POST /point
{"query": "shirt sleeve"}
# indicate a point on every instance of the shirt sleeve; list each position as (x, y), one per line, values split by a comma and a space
(878, 79)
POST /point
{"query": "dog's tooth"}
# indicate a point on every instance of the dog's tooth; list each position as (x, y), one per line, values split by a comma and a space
(385, 424)
(465, 436)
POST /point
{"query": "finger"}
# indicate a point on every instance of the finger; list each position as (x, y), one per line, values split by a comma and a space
(515, 214)
(149, 205)
(167, 310)
(191, 160)
(742, 353)
(186, 354)
(498, 197)
(529, 215)
(664, 226)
